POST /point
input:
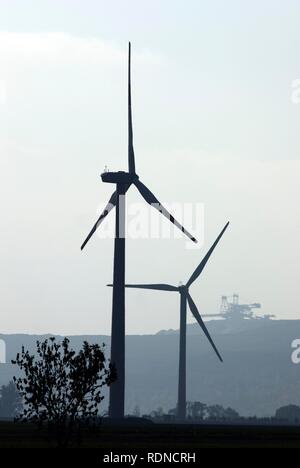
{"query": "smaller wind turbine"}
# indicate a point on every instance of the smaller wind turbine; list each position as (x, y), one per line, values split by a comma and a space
(185, 298)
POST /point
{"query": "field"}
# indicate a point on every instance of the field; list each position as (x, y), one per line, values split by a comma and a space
(159, 437)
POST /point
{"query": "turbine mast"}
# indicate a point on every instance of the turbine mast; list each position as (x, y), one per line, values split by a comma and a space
(181, 403)
(117, 354)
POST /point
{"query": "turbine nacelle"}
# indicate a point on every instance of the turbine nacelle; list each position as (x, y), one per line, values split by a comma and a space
(120, 177)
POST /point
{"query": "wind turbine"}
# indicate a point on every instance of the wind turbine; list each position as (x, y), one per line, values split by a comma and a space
(123, 181)
(185, 298)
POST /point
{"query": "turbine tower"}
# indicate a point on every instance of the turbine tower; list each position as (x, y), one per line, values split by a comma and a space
(185, 298)
(123, 180)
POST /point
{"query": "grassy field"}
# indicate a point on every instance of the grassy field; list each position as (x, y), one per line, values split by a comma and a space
(159, 437)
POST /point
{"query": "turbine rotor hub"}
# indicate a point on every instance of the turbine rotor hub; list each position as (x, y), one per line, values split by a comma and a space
(183, 289)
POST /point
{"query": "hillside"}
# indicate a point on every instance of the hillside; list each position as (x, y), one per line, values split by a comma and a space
(257, 375)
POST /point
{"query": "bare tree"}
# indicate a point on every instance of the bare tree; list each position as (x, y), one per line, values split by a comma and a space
(62, 388)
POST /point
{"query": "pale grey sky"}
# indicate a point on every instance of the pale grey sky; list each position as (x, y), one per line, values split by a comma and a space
(214, 123)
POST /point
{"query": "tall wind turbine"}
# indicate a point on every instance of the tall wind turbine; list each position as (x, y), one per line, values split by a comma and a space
(123, 181)
(185, 298)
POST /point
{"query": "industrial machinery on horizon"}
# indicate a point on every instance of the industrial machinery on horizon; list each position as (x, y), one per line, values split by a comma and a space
(231, 309)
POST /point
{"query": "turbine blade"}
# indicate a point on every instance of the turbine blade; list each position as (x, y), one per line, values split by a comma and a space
(159, 287)
(110, 205)
(197, 316)
(205, 259)
(152, 200)
(131, 162)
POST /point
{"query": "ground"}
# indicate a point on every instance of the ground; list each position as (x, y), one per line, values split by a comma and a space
(158, 437)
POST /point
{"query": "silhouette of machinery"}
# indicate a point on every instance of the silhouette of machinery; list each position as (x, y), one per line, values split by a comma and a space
(232, 309)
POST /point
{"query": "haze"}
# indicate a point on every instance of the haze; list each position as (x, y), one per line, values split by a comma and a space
(214, 123)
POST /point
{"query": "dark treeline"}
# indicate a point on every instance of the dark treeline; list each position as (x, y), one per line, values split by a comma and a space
(197, 412)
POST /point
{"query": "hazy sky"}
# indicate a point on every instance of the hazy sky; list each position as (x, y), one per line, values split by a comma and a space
(214, 123)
